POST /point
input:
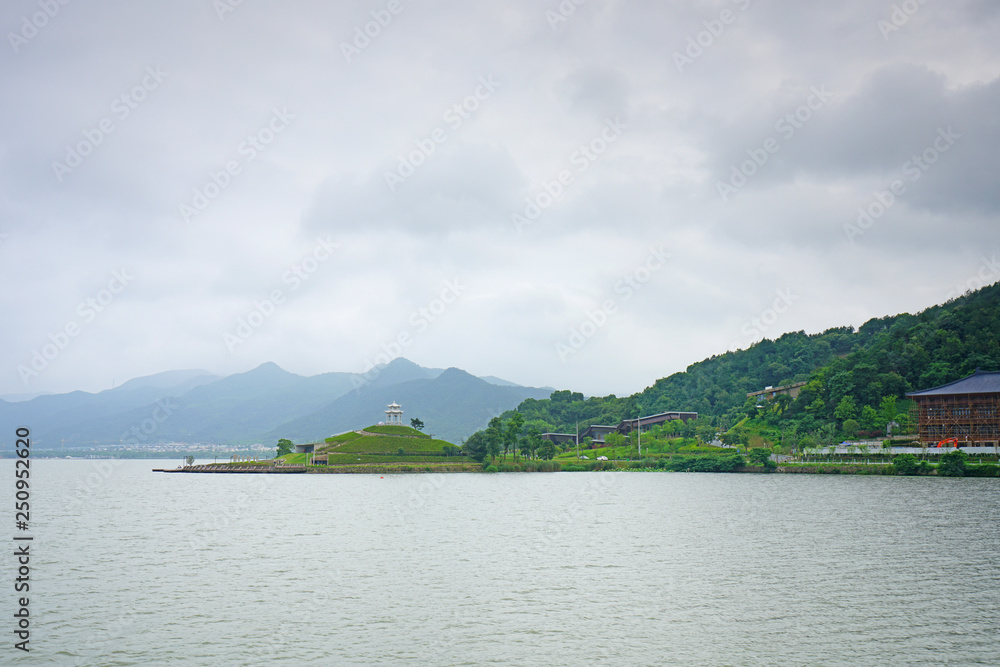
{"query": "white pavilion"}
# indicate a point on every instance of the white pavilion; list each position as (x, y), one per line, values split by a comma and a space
(394, 415)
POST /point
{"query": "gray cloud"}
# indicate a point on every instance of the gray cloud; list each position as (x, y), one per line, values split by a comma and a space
(203, 135)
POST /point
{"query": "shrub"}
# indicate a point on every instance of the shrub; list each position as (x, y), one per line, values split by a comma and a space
(952, 464)
(905, 464)
(491, 468)
(984, 470)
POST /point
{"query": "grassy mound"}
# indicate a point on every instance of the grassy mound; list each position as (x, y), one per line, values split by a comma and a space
(387, 444)
(344, 437)
(397, 430)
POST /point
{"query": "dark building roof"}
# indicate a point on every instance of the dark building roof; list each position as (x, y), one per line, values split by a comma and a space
(980, 382)
(556, 437)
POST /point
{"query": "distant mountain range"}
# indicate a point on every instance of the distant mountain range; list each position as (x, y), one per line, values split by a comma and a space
(262, 405)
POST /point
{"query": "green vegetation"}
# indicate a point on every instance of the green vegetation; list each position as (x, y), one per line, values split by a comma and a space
(387, 444)
(953, 464)
(856, 381)
(390, 446)
(344, 437)
(906, 464)
(285, 447)
(398, 430)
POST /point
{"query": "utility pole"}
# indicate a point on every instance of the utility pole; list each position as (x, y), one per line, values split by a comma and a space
(577, 440)
(638, 434)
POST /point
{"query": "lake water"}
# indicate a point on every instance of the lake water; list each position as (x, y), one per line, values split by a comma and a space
(131, 567)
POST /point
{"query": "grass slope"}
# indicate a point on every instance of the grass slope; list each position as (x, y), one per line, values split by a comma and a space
(397, 430)
(386, 444)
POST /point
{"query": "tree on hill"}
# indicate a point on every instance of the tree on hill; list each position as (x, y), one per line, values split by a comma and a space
(417, 424)
(285, 447)
(512, 433)
(494, 437)
(535, 441)
(476, 446)
(760, 456)
(546, 450)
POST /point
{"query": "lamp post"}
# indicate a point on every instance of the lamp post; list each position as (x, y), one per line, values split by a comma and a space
(638, 434)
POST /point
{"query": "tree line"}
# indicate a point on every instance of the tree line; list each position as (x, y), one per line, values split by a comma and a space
(856, 380)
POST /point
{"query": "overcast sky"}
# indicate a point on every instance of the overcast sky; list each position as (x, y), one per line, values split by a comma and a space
(587, 196)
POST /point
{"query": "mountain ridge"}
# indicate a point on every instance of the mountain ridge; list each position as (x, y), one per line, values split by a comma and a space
(195, 407)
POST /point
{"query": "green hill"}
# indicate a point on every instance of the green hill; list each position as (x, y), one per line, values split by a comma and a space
(384, 445)
(397, 430)
(386, 440)
(882, 359)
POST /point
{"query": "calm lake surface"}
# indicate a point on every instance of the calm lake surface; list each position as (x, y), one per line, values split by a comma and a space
(131, 567)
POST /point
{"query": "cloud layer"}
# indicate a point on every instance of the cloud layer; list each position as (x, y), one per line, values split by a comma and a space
(322, 178)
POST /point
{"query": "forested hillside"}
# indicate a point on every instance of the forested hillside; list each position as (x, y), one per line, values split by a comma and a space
(853, 375)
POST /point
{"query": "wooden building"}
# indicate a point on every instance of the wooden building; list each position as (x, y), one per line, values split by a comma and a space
(598, 432)
(967, 409)
(626, 426)
(769, 393)
(559, 438)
